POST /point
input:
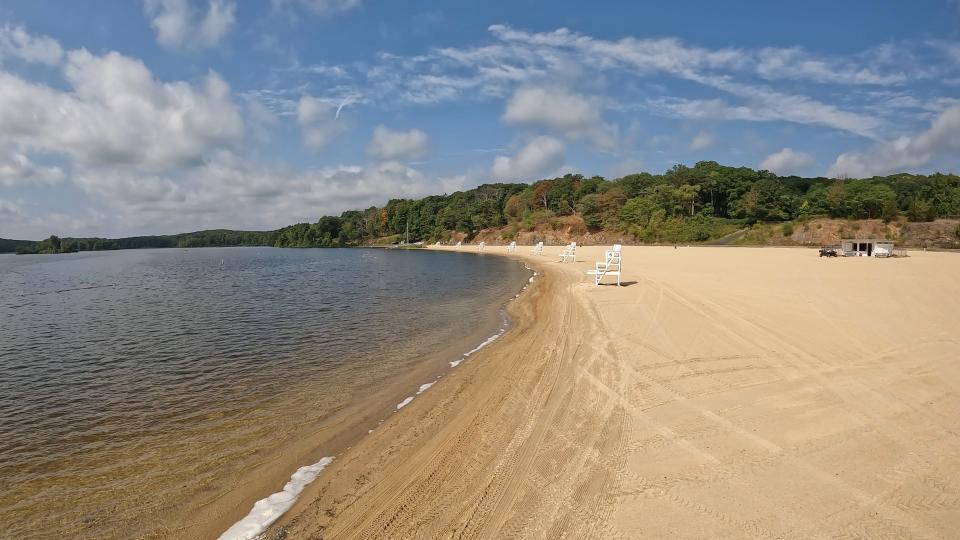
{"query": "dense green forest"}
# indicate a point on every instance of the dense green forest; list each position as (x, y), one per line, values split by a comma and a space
(684, 204)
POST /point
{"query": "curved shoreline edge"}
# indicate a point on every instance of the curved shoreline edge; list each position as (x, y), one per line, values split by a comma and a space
(267, 511)
(515, 312)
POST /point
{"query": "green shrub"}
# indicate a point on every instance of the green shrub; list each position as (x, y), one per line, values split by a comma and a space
(788, 229)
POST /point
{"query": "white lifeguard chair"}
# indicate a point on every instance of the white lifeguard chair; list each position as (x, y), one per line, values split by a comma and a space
(537, 248)
(569, 252)
(459, 243)
(611, 265)
(512, 246)
(481, 246)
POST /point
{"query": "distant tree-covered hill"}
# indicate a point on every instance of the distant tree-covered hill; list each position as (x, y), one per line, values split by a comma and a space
(218, 237)
(684, 204)
(9, 246)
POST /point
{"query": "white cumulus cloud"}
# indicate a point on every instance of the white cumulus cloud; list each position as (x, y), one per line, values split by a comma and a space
(904, 153)
(117, 113)
(539, 156)
(17, 169)
(180, 23)
(787, 162)
(568, 113)
(557, 109)
(16, 42)
(389, 145)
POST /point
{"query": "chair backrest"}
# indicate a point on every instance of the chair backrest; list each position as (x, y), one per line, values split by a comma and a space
(617, 247)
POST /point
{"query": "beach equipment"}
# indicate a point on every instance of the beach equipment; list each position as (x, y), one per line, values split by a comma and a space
(537, 248)
(512, 246)
(609, 267)
(481, 246)
(569, 252)
(459, 243)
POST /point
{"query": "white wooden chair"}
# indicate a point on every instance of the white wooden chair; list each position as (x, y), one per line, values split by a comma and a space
(569, 252)
(459, 243)
(611, 265)
(537, 248)
(481, 246)
(512, 246)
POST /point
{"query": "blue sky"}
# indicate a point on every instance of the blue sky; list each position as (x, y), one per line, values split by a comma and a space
(161, 116)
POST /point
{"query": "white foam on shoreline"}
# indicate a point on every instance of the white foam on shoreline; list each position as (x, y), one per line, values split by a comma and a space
(266, 511)
(476, 349)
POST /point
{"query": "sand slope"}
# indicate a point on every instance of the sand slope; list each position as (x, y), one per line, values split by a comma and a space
(726, 392)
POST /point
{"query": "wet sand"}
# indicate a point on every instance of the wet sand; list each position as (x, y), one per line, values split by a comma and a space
(724, 392)
(209, 518)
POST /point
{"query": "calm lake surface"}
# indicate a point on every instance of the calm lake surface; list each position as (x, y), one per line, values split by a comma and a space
(137, 385)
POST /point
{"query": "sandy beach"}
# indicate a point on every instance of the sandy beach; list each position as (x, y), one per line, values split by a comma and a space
(723, 393)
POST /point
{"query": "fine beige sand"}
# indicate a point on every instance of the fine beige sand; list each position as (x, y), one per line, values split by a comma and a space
(723, 393)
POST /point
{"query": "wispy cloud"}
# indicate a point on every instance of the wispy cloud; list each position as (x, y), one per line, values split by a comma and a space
(319, 7)
(747, 84)
(182, 24)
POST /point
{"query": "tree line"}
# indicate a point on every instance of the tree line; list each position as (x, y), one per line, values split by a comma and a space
(219, 237)
(683, 204)
(695, 203)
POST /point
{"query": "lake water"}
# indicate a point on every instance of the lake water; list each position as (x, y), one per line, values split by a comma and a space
(138, 386)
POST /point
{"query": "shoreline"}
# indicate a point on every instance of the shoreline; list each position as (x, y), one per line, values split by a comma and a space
(336, 434)
(734, 392)
(521, 312)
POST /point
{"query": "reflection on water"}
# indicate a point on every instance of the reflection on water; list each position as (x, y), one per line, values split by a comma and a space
(133, 381)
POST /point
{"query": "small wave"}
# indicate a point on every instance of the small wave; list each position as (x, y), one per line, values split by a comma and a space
(425, 387)
(266, 511)
(58, 291)
(404, 403)
(476, 349)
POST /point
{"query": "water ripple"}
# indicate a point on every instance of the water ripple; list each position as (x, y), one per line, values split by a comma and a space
(133, 381)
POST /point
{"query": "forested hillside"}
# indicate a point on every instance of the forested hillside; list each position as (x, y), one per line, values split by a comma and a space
(685, 204)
